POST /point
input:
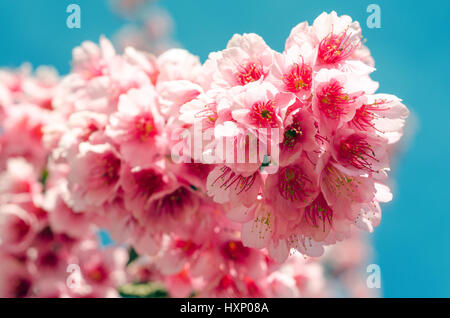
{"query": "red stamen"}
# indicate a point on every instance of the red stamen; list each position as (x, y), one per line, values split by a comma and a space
(293, 184)
(229, 177)
(365, 115)
(333, 100)
(356, 151)
(249, 73)
(336, 47)
(208, 113)
(318, 213)
(264, 115)
(299, 78)
(292, 134)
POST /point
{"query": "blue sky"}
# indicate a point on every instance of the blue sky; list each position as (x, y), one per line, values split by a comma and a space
(411, 50)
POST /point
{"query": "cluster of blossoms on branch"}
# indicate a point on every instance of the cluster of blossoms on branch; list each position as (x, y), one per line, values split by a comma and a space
(37, 245)
(113, 144)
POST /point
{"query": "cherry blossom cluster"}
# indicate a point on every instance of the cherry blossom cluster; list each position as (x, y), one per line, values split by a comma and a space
(128, 113)
(341, 272)
(215, 172)
(294, 278)
(321, 134)
(40, 254)
(37, 243)
(21, 124)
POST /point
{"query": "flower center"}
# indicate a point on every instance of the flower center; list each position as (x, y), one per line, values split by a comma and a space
(22, 287)
(263, 114)
(187, 247)
(49, 259)
(365, 115)
(22, 228)
(333, 100)
(208, 114)
(227, 287)
(145, 127)
(336, 47)
(340, 184)
(111, 169)
(97, 274)
(174, 203)
(318, 213)
(299, 78)
(292, 134)
(249, 73)
(148, 181)
(356, 151)
(89, 130)
(235, 250)
(252, 287)
(293, 184)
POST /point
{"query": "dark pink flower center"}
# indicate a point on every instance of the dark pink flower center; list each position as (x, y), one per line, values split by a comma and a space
(235, 251)
(111, 168)
(249, 73)
(252, 288)
(145, 127)
(21, 229)
(49, 259)
(299, 78)
(356, 151)
(174, 203)
(229, 178)
(22, 287)
(149, 181)
(188, 247)
(336, 47)
(200, 170)
(292, 134)
(226, 283)
(97, 274)
(263, 114)
(89, 130)
(333, 100)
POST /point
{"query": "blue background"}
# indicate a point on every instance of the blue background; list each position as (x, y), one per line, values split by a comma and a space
(412, 56)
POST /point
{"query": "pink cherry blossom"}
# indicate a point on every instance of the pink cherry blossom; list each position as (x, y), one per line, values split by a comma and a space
(15, 280)
(94, 176)
(138, 127)
(246, 59)
(336, 98)
(17, 228)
